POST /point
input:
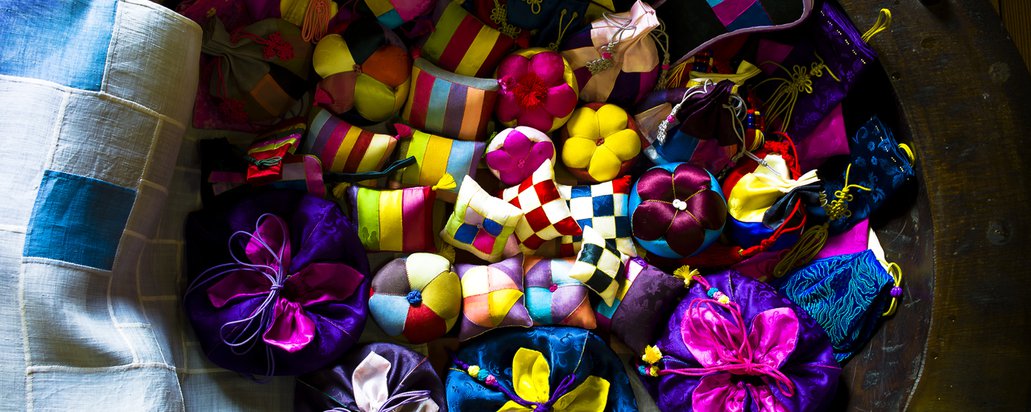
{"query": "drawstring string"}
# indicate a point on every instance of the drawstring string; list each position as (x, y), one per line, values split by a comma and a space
(662, 40)
(781, 105)
(316, 20)
(811, 242)
(605, 62)
(704, 88)
(562, 28)
(882, 24)
(896, 291)
(838, 208)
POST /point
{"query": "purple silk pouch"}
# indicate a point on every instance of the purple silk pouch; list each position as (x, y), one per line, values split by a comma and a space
(735, 344)
(811, 69)
(276, 283)
(828, 139)
(375, 377)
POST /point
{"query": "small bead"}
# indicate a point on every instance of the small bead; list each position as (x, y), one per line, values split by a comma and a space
(665, 67)
(712, 292)
(896, 292)
(671, 118)
(414, 298)
(642, 370)
(723, 300)
(490, 380)
(653, 371)
(606, 55)
(482, 375)
(553, 287)
(473, 370)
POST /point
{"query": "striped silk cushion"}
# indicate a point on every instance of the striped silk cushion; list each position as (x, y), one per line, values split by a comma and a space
(399, 220)
(449, 104)
(461, 43)
(345, 148)
(436, 156)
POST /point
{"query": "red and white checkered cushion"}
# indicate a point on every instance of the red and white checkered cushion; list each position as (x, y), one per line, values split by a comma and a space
(546, 214)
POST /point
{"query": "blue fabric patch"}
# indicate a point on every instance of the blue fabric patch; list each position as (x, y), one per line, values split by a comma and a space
(580, 191)
(78, 219)
(538, 301)
(63, 41)
(623, 226)
(604, 206)
(466, 233)
(492, 227)
(390, 19)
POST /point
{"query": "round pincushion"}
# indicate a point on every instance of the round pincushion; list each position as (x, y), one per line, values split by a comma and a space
(515, 153)
(537, 90)
(676, 210)
(366, 72)
(601, 142)
(417, 298)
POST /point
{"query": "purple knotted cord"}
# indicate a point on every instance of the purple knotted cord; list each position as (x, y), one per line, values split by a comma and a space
(234, 338)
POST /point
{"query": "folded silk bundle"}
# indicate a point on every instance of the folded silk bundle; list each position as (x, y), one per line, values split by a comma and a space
(377, 377)
(276, 283)
(735, 344)
(540, 369)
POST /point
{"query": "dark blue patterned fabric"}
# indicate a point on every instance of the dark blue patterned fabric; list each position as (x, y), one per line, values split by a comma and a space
(878, 164)
(846, 295)
(568, 351)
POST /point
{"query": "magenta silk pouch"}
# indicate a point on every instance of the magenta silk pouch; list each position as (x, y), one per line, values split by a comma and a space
(828, 139)
(735, 344)
(854, 240)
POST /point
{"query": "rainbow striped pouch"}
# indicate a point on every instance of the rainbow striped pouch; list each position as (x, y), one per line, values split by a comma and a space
(449, 104)
(400, 220)
(439, 162)
(461, 43)
(345, 148)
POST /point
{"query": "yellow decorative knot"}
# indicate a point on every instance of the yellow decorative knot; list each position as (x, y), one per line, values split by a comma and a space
(686, 273)
(838, 208)
(651, 355)
(781, 105)
(723, 300)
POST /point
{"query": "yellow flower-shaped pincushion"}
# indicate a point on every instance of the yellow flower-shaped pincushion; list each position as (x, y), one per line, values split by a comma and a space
(601, 143)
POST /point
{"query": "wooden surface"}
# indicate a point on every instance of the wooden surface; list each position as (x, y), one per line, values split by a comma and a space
(1016, 16)
(962, 93)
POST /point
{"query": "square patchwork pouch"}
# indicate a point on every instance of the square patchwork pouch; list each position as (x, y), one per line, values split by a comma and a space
(253, 78)
(826, 54)
(449, 104)
(224, 173)
(645, 295)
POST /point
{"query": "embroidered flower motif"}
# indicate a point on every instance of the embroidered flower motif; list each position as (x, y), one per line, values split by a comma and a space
(534, 91)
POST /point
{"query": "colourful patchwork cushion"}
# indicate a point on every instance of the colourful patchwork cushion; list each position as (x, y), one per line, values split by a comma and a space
(482, 224)
(513, 154)
(599, 265)
(646, 294)
(553, 297)
(394, 13)
(677, 210)
(603, 206)
(394, 220)
(461, 43)
(492, 297)
(366, 72)
(448, 103)
(435, 157)
(537, 90)
(601, 143)
(545, 213)
(345, 148)
(417, 298)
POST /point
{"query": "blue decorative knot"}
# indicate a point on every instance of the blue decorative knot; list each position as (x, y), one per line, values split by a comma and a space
(414, 298)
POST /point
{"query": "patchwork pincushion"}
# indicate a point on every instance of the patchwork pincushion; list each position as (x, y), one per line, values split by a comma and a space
(514, 153)
(366, 72)
(601, 142)
(554, 298)
(676, 210)
(417, 298)
(537, 90)
(492, 297)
